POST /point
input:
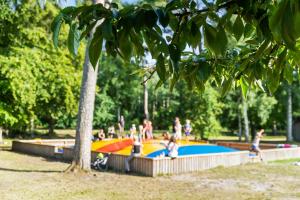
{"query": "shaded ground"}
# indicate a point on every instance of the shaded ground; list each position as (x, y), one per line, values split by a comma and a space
(29, 177)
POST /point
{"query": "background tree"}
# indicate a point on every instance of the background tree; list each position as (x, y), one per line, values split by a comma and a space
(37, 81)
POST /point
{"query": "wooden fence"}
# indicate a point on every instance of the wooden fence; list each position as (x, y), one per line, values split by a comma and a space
(34, 148)
(244, 146)
(159, 166)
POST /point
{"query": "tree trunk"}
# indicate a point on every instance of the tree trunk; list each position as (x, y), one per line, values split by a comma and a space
(31, 128)
(1, 135)
(240, 126)
(289, 115)
(253, 130)
(274, 128)
(51, 125)
(146, 111)
(246, 121)
(82, 149)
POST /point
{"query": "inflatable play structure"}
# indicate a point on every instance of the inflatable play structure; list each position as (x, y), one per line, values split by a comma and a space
(154, 148)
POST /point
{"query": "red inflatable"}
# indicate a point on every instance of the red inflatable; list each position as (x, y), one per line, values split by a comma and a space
(117, 146)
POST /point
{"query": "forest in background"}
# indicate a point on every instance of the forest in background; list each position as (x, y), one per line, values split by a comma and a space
(40, 87)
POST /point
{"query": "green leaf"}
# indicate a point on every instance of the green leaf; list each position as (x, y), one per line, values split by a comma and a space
(163, 17)
(226, 86)
(160, 67)
(222, 41)
(159, 83)
(195, 35)
(125, 45)
(150, 18)
(244, 86)
(95, 47)
(87, 30)
(288, 73)
(204, 71)
(175, 56)
(137, 42)
(173, 5)
(73, 39)
(238, 28)
(107, 30)
(248, 30)
(173, 82)
(210, 34)
(55, 27)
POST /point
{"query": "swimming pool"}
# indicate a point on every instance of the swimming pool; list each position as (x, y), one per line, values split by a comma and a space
(194, 150)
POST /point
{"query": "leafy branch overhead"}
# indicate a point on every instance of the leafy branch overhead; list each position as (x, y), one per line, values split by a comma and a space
(229, 42)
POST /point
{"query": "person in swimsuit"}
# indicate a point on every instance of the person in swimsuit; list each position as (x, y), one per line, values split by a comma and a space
(255, 144)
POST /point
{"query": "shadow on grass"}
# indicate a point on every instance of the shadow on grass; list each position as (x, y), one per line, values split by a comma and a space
(29, 170)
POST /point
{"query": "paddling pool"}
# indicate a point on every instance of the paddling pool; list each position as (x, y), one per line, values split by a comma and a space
(193, 150)
(154, 148)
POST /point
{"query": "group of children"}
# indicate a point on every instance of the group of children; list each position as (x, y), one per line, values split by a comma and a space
(145, 131)
(177, 128)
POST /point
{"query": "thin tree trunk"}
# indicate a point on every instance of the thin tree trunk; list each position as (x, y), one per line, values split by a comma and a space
(240, 126)
(146, 111)
(253, 130)
(51, 127)
(82, 150)
(31, 128)
(246, 121)
(1, 135)
(289, 115)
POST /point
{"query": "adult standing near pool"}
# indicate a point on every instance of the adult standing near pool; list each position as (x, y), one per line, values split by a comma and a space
(135, 152)
(255, 143)
(177, 128)
(121, 125)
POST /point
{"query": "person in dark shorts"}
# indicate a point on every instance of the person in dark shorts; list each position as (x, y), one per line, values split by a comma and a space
(255, 144)
(135, 152)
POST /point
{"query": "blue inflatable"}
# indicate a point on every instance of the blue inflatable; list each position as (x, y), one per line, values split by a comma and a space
(193, 150)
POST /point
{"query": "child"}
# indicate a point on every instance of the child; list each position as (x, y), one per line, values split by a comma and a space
(178, 128)
(111, 132)
(166, 135)
(121, 125)
(141, 133)
(135, 152)
(172, 148)
(255, 144)
(101, 134)
(132, 131)
(149, 130)
(187, 129)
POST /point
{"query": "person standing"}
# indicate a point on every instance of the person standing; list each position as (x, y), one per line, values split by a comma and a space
(136, 151)
(149, 130)
(187, 129)
(121, 125)
(178, 129)
(132, 131)
(255, 144)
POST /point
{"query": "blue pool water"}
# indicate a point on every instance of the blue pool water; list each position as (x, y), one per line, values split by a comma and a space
(194, 149)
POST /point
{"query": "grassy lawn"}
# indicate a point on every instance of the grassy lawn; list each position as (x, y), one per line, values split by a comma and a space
(29, 177)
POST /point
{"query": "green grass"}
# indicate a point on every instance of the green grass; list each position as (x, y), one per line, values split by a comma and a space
(288, 161)
(30, 177)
